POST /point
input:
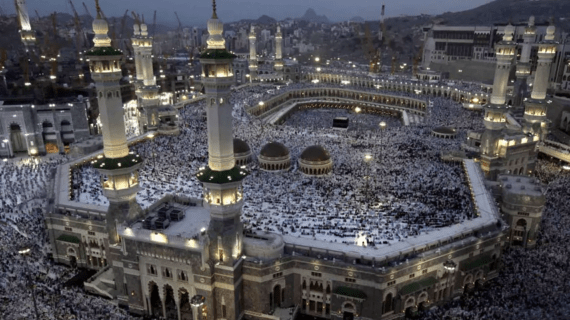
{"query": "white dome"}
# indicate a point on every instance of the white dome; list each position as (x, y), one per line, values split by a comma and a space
(550, 32)
(100, 26)
(509, 31)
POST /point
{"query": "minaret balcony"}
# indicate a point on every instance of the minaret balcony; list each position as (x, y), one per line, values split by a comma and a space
(122, 194)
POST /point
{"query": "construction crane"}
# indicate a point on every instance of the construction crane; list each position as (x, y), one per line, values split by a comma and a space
(153, 24)
(122, 30)
(54, 48)
(179, 32)
(417, 60)
(38, 15)
(78, 31)
(87, 10)
(368, 48)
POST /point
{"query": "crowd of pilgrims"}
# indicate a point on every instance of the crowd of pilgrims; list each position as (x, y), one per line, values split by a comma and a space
(406, 189)
(533, 284)
(25, 187)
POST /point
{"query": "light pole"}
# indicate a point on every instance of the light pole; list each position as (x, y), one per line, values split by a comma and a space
(449, 266)
(367, 158)
(24, 252)
(382, 126)
(153, 164)
(197, 302)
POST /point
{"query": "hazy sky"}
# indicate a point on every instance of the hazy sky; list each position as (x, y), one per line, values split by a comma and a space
(196, 12)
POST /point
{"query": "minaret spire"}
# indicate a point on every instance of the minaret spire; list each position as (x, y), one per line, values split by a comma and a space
(214, 14)
(98, 8)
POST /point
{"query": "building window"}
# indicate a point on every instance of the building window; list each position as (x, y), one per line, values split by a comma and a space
(166, 273)
(316, 274)
(182, 276)
(412, 275)
(68, 229)
(91, 233)
(151, 269)
(391, 283)
(277, 275)
(351, 280)
(424, 271)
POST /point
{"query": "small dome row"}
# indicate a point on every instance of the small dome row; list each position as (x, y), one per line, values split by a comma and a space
(274, 156)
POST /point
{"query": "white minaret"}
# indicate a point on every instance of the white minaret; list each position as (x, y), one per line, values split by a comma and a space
(253, 67)
(546, 52)
(505, 52)
(279, 52)
(536, 107)
(222, 180)
(495, 119)
(145, 84)
(118, 166)
(26, 33)
(523, 65)
(136, 48)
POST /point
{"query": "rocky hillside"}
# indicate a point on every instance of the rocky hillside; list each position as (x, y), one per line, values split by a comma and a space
(501, 11)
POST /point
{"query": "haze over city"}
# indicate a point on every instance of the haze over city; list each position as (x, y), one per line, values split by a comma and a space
(196, 12)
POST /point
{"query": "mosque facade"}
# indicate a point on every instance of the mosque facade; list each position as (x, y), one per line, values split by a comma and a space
(191, 259)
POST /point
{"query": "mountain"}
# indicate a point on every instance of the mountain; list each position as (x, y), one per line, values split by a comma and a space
(356, 19)
(311, 16)
(502, 11)
(264, 19)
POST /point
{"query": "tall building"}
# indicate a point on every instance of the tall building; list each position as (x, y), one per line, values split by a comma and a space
(145, 84)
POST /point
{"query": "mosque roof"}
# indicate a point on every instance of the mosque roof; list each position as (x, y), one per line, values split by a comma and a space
(444, 130)
(315, 153)
(240, 146)
(274, 150)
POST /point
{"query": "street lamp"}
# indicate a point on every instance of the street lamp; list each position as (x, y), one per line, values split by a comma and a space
(357, 109)
(197, 302)
(367, 158)
(449, 266)
(25, 252)
(382, 126)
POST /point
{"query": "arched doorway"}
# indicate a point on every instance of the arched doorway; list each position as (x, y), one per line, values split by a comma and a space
(185, 308)
(348, 311)
(155, 304)
(72, 257)
(170, 303)
(17, 139)
(50, 138)
(388, 303)
(519, 233)
(277, 296)
(67, 135)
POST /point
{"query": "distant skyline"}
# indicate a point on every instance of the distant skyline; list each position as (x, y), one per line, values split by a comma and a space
(197, 12)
